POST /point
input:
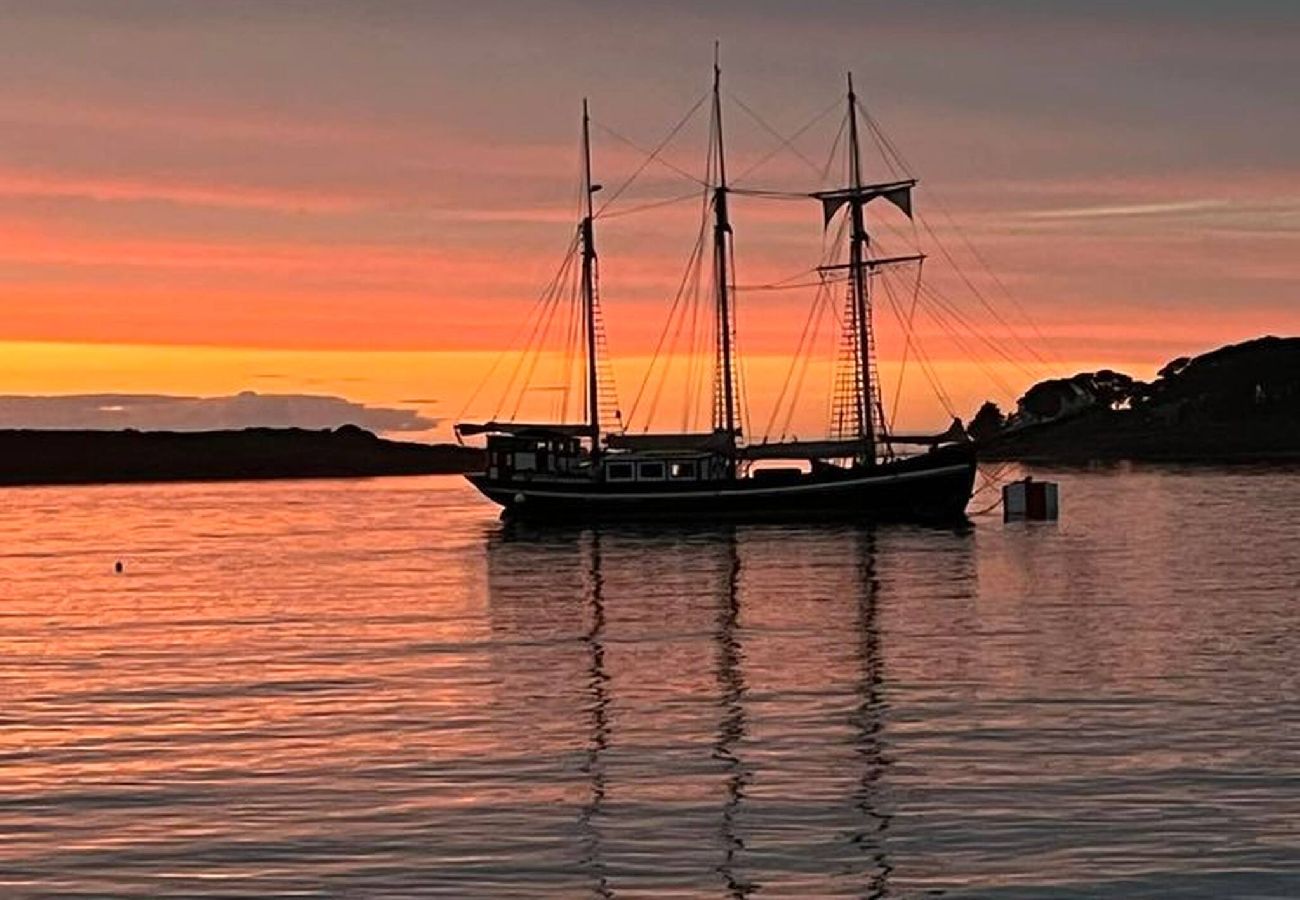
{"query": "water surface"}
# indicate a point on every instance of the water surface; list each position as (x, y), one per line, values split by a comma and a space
(375, 689)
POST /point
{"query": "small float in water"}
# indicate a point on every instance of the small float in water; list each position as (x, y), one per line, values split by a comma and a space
(1035, 501)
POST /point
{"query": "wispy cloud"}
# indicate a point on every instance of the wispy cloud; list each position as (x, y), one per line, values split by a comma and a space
(107, 189)
(161, 412)
(1130, 210)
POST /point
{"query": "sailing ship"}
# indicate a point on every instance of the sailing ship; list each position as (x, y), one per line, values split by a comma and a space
(595, 469)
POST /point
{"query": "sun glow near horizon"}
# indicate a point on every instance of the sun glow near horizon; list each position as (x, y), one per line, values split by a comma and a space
(439, 384)
(181, 212)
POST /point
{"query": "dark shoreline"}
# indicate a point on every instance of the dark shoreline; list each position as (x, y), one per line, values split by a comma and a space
(1127, 435)
(1083, 460)
(1239, 404)
(135, 457)
(31, 458)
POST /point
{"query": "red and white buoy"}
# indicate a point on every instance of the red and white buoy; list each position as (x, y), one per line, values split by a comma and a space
(1032, 500)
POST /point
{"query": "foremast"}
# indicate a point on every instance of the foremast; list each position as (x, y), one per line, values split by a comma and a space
(867, 410)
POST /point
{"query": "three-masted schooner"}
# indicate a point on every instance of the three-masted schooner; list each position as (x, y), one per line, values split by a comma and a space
(570, 471)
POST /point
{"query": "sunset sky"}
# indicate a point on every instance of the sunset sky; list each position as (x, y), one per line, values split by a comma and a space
(362, 199)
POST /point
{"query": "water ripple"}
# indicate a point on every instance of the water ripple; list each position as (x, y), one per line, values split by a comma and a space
(375, 689)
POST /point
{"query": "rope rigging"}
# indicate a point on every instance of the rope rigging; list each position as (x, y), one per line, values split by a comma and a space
(693, 322)
(651, 156)
(784, 143)
(535, 314)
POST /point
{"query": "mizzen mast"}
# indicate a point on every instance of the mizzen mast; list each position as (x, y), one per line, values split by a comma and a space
(725, 400)
(589, 286)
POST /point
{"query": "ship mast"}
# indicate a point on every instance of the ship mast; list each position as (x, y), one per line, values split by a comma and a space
(721, 256)
(858, 282)
(589, 286)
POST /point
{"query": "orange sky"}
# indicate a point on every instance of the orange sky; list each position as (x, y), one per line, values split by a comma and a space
(361, 200)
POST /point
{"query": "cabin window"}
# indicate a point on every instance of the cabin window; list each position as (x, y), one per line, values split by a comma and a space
(652, 471)
(619, 471)
(526, 462)
(682, 469)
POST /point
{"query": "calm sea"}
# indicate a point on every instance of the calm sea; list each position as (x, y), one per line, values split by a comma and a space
(375, 689)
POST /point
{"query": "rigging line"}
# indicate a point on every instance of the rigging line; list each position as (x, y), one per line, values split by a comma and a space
(992, 480)
(835, 146)
(748, 288)
(535, 310)
(739, 358)
(570, 370)
(573, 346)
(1024, 314)
(883, 226)
(781, 283)
(830, 254)
(652, 156)
(987, 509)
(883, 139)
(892, 149)
(896, 308)
(820, 308)
(655, 156)
(663, 335)
(536, 356)
(992, 273)
(692, 390)
(927, 367)
(769, 194)
(937, 315)
(526, 356)
(688, 294)
(954, 309)
(925, 223)
(907, 345)
(786, 143)
(564, 297)
(813, 309)
(830, 303)
(803, 371)
(883, 147)
(652, 204)
(703, 312)
(669, 364)
(827, 298)
(698, 364)
(943, 317)
(961, 317)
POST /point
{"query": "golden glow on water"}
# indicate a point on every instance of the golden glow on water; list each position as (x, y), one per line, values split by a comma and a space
(374, 687)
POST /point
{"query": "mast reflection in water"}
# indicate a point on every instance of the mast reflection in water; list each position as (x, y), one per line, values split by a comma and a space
(723, 704)
(381, 692)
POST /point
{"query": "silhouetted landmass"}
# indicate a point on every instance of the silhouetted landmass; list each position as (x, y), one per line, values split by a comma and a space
(1240, 402)
(93, 457)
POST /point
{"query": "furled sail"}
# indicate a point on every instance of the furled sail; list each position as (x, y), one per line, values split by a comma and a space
(469, 429)
(705, 442)
(898, 193)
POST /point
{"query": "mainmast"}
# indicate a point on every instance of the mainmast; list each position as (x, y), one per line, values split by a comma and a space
(858, 281)
(589, 286)
(721, 260)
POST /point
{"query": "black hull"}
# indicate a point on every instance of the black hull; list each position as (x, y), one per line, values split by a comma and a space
(933, 487)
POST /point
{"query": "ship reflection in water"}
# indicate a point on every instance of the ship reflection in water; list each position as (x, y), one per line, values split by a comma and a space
(375, 689)
(733, 685)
